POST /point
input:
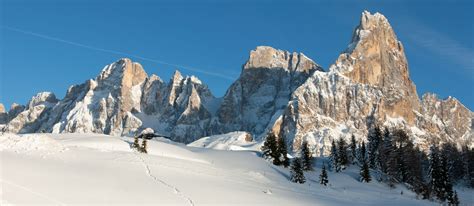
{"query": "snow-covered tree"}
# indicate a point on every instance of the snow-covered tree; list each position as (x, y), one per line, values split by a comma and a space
(386, 147)
(283, 152)
(361, 154)
(297, 174)
(446, 184)
(455, 199)
(342, 153)
(353, 147)
(306, 157)
(365, 172)
(454, 161)
(374, 138)
(334, 157)
(468, 159)
(323, 177)
(436, 175)
(270, 149)
(143, 148)
(136, 144)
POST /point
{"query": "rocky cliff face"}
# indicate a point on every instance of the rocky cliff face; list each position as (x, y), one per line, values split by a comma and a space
(368, 85)
(262, 91)
(279, 91)
(117, 102)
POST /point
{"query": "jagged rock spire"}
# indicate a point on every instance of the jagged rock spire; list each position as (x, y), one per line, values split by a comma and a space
(375, 57)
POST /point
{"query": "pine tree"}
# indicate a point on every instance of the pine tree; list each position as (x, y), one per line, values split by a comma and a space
(334, 158)
(306, 156)
(446, 185)
(362, 157)
(353, 147)
(270, 149)
(455, 162)
(404, 144)
(455, 199)
(282, 150)
(365, 173)
(135, 144)
(375, 137)
(342, 153)
(385, 149)
(323, 177)
(436, 181)
(468, 159)
(297, 174)
(143, 148)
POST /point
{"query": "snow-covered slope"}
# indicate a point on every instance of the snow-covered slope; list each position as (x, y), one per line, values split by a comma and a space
(228, 141)
(85, 169)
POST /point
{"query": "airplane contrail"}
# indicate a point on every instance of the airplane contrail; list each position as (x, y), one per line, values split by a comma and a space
(116, 52)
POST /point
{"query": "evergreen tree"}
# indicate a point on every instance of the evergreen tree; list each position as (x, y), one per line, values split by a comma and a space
(446, 185)
(455, 199)
(364, 172)
(270, 149)
(436, 179)
(282, 150)
(342, 153)
(454, 161)
(323, 177)
(135, 144)
(385, 149)
(297, 174)
(374, 138)
(404, 145)
(353, 147)
(306, 156)
(468, 159)
(143, 148)
(362, 157)
(334, 158)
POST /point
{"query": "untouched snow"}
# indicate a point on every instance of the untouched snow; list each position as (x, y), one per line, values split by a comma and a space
(86, 169)
(230, 141)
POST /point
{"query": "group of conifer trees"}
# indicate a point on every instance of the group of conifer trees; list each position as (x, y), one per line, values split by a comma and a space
(274, 149)
(392, 156)
(398, 160)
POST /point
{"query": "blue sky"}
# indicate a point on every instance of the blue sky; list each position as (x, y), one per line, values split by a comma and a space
(52, 44)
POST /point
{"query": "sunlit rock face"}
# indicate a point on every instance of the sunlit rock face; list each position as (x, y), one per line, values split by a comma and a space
(369, 85)
(262, 91)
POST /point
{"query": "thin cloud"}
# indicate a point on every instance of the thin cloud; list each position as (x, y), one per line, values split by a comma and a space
(441, 45)
(193, 69)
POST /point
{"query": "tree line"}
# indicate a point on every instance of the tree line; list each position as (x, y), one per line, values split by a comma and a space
(389, 156)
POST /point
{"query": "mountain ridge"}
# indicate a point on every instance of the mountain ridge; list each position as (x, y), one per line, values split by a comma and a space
(280, 91)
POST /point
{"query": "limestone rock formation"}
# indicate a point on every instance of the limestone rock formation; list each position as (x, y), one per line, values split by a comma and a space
(121, 100)
(368, 85)
(34, 114)
(262, 91)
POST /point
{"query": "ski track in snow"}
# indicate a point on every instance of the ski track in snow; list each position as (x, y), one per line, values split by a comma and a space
(32, 192)
(156, 179)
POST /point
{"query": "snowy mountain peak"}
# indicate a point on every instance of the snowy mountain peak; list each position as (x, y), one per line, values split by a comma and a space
(268, 57)
(177, 77)
(42, 98)
(368, 20)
